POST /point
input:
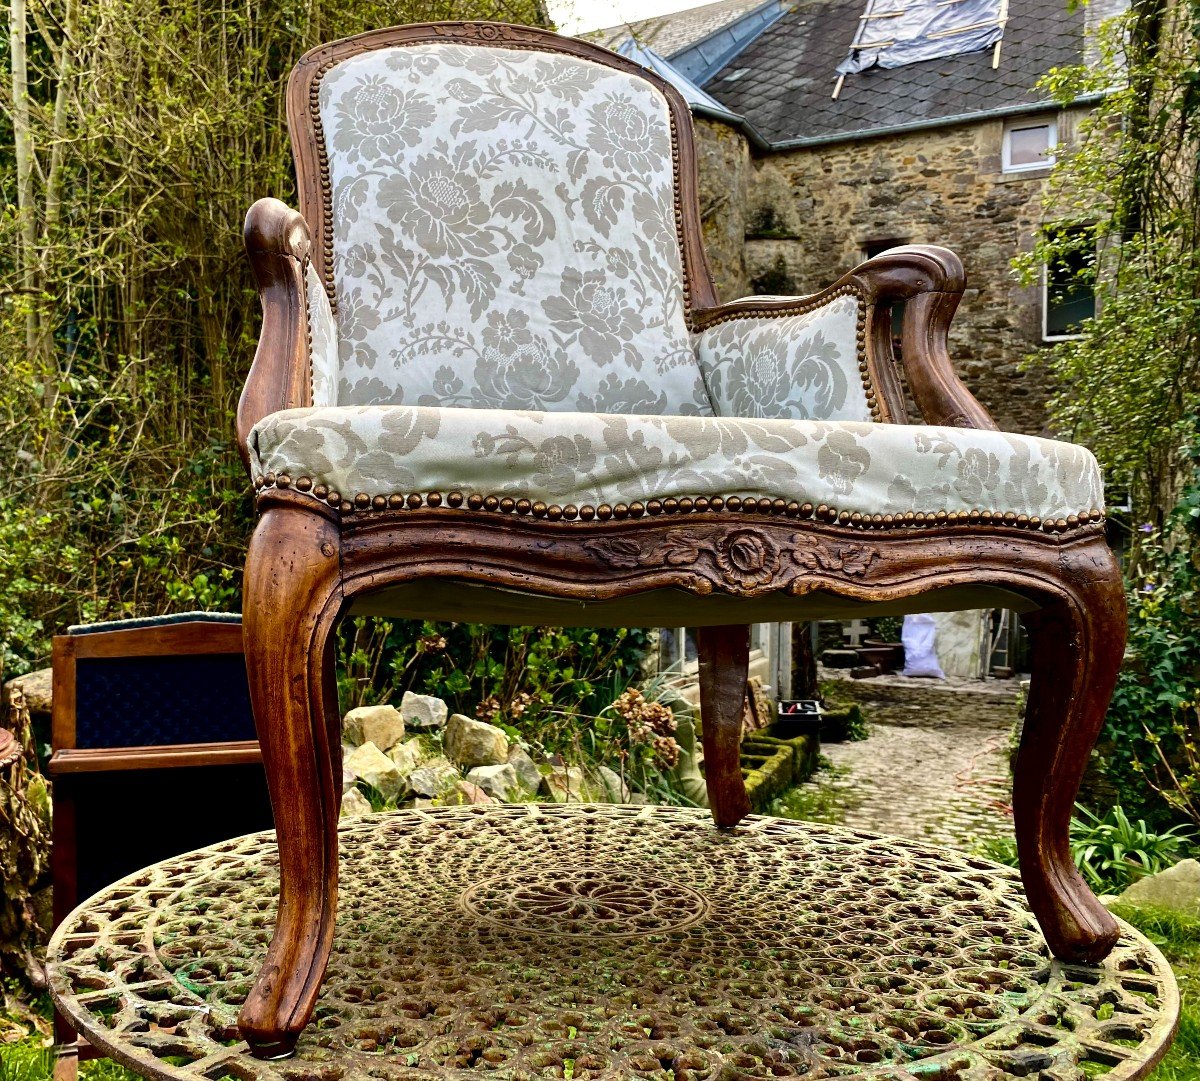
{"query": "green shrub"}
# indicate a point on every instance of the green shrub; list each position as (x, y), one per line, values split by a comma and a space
(1112, 851)
(565, 691)
(129, 316)
(1146, 731)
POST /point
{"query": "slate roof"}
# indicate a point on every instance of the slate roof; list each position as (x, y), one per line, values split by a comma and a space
(701, 103)
(783, 81)
(667, 34)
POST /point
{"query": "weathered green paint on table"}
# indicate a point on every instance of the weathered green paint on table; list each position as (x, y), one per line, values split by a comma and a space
(603, 942)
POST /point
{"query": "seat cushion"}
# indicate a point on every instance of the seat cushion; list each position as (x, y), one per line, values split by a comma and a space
(596, 458)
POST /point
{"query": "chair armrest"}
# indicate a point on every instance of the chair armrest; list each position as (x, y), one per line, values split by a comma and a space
(281, 377)
(930, 280)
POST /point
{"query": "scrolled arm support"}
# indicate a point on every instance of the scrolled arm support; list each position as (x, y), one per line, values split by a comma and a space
(278, 245)
(930, 280)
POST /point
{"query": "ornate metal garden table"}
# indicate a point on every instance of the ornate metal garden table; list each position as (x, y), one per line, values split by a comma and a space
(601, 942)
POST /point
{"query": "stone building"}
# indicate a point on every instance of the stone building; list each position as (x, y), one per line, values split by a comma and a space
(798, 186)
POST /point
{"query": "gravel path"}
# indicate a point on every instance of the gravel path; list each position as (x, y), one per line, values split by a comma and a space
(945, 781)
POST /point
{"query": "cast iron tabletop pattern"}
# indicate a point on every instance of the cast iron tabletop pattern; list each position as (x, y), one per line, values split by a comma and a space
(589, 942)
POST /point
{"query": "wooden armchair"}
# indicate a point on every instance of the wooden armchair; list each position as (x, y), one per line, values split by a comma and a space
(494, 384)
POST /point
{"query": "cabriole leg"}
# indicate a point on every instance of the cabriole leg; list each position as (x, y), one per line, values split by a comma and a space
(1077, 641)
(291, 601)
(724, 654)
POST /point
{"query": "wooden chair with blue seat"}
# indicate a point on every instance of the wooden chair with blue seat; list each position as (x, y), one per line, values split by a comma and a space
(494, 383)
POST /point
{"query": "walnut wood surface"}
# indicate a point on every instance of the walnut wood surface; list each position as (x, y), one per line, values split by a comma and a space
(156, 756)
(292, 596)
(307, 563)
(175, 639)
(278, 246)
(1077, 640)
(724, 656)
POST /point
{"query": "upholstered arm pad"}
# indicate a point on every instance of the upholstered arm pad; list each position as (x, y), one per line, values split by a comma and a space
(322, 340)
(799, 362)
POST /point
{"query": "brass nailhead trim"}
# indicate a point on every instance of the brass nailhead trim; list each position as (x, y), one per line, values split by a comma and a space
(683, 505)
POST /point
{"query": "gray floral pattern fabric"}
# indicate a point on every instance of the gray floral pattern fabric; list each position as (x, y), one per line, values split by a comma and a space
(595, 458)
(323, 340)
(504, 234)
(797, 366)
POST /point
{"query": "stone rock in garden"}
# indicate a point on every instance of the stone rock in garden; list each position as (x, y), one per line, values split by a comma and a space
(466, 794)
(38, 689)
(371, 766)
(1177, 889)
(564, 784)
(423, 710)
(407, 756)
(839, 658)
(474, 743)
(499, 781)
(354, 803)
(615, 787)
(381, 725)
(529, 776)
(348, 778)
(433, 778)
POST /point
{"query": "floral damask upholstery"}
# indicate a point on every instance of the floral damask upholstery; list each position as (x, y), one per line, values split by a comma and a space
(323, 340)
(800, 366)
(504, 234)
(595, 458)
(508, 318)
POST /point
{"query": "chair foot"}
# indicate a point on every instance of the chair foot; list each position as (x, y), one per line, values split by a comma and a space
(291, 600)
(724, 655)
(1077, 641)
(274, 1051)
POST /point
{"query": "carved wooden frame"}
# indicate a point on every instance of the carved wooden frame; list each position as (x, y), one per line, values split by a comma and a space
(308, 561)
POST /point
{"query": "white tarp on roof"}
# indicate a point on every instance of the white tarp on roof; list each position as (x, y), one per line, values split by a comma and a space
(893, 33)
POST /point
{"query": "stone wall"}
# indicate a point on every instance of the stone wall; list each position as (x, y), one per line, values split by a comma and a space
(723, 160)
(809, 214)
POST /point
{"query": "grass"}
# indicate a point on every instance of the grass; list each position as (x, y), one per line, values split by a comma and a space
(817, 800)
(1179, 939)
(25, 1028)
(28, 1060)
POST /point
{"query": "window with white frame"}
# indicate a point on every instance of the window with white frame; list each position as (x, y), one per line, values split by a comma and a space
(1069, 290)
(1029, 145)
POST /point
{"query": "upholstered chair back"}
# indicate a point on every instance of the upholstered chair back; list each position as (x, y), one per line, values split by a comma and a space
(502, 232)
